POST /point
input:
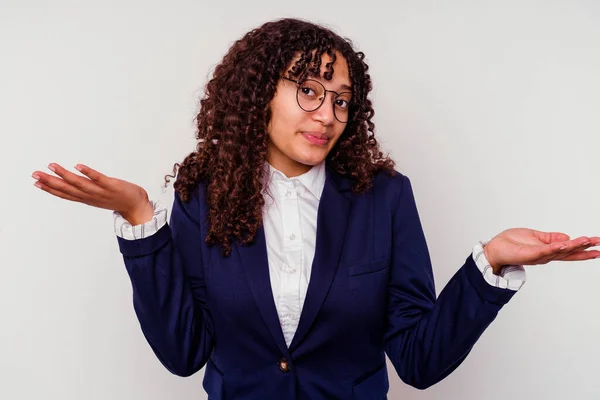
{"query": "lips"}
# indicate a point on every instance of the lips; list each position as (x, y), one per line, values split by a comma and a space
(322, 136)
(318, 139)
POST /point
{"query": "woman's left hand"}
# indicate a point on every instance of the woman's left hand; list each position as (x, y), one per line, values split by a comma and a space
(521, 246)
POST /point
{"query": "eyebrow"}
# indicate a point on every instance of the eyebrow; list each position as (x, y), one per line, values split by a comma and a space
(345, 87)
(342, 87)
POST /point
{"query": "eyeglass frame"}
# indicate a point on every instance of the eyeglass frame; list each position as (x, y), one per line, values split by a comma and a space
(324, 96)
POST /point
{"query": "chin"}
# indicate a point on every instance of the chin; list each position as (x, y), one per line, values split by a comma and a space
(312, 160)
(312, 156)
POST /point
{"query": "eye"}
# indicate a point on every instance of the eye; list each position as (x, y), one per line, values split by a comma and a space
(342, 103)
(307, 91)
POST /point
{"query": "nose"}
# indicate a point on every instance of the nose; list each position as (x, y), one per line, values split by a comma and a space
(325, 113)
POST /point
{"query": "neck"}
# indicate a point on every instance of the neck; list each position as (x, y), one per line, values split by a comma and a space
(291, 171)
(289, 167)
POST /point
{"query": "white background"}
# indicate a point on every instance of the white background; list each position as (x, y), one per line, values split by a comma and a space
(491, 108)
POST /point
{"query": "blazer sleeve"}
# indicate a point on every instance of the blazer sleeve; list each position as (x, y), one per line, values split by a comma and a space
(428, 338)
(169, 290)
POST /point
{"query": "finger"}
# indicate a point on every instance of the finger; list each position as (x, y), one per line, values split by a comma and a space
(575, 246)
(554, 255)
(81, 183)
(582, 255)
(586, 245)
(571, 244)
(540, 254)
(59, 185)
(57, 192)
(595, 240)
(94, 175)
(555, 251)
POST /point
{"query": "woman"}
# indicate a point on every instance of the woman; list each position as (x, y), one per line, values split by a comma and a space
(294, 258)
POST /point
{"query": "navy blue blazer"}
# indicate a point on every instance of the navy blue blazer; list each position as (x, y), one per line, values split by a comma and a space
(371, 293)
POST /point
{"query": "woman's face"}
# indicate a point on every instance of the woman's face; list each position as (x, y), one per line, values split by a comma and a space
(292, 146)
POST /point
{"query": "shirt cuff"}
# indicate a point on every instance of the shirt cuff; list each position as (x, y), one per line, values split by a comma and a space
(125, 230)
(511, 277)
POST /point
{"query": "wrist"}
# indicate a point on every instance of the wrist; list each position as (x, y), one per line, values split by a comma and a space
(140, 214)
(496, 268)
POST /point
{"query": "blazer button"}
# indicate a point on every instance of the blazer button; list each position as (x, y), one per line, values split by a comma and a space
(283, 365)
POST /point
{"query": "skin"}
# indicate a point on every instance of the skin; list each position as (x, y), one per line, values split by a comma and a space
(522, 246)
(290, 152)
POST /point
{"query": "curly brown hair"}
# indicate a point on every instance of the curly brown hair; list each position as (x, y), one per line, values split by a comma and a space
(234, 115)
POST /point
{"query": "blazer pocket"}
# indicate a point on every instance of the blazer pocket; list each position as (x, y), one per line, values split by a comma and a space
(367, 268)
(374, 387)
(213, 382)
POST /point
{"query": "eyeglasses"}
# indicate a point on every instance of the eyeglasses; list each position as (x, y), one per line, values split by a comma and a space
(311, 95)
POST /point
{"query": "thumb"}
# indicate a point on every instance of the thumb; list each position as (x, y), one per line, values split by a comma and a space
(551, 237)
(558, 237)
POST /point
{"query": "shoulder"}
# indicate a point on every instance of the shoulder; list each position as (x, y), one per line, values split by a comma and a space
(391, 186)
(196, 205)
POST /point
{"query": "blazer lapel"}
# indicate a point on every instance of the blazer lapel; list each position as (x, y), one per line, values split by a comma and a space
(332, 218)
(256, 266)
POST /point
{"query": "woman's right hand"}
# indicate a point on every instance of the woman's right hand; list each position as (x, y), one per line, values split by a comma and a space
(97, 190)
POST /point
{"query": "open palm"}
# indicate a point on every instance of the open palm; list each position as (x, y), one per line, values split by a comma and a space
(522, 246)
(94, 189)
